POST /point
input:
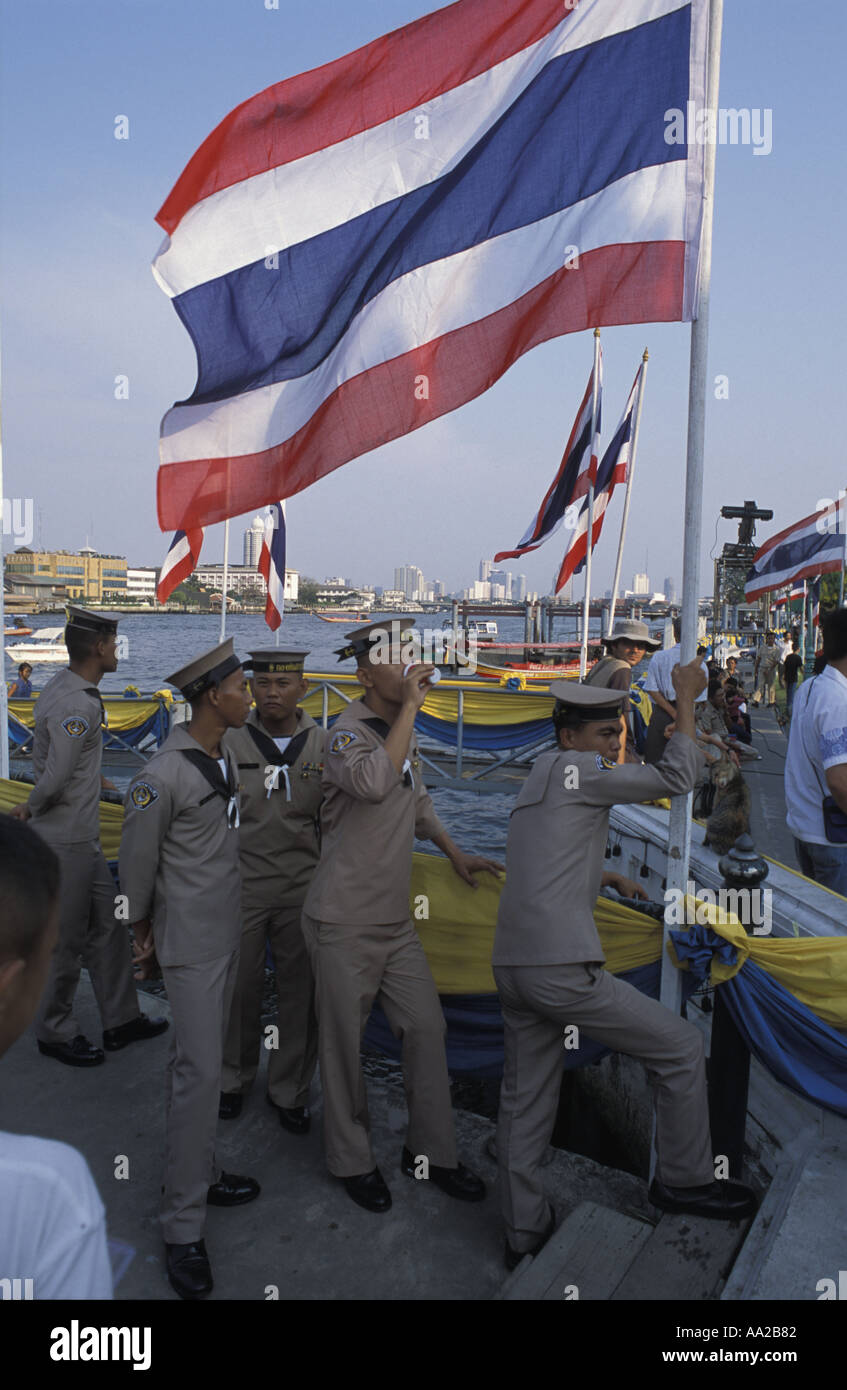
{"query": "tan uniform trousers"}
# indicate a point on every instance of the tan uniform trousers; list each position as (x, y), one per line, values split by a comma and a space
(538, 1002)
(765, 692)
(353, 966)
(200, 997)
(89, 935)
(291, 1065)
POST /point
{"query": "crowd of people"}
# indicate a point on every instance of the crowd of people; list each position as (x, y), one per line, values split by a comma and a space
(251, 827)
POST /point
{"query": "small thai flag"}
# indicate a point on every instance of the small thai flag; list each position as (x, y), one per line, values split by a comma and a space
(272, 564)
(180, 562)
(578, 465)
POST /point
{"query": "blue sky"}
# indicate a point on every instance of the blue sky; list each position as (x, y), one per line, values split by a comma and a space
(79, 305)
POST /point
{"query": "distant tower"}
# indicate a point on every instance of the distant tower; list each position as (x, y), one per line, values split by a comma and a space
(253, 542)
(670, 589)
(641, 584)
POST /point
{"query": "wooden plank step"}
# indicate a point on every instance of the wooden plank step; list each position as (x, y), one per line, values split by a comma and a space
(585, 1258)
(686, 1257)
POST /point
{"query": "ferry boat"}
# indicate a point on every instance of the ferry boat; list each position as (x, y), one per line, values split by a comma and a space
(18, 629)
(47, 648)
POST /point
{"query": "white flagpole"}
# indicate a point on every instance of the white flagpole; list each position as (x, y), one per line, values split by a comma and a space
(679, 832)
(586, 607)
(282, 522)
(4, 694)
(803, 625)
(226, 579)
(633, 449)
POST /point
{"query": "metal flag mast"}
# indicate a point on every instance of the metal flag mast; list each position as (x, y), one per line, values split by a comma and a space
(225, 579)
(586, 607)
(679, 831)
(630, 471)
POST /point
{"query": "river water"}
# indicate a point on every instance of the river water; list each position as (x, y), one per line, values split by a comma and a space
(157, 644)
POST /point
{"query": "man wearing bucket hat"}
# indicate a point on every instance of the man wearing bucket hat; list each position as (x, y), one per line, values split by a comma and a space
(548, 964)
(179, 872)
(625, 647)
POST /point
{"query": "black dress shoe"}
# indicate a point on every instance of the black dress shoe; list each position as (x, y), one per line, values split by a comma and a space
(79, 1053)
(514, 1257)
(230, 1105)
(137, 1030)
(369, 1190)
(232, 1191)
(189, 1270)
(456, 1182)
(722, 1200)
(296, 1120)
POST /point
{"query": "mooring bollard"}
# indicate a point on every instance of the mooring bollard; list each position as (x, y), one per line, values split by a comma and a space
(729, 1061)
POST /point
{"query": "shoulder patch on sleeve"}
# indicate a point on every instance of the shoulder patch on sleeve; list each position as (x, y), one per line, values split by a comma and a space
(75, 726)
(143, 795)
(341, 740)
(833, 744)
(605, 764)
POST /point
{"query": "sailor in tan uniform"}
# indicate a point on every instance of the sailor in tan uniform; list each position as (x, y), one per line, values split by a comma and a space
(64, 806)
(179, 871)
(548, 964)
(356, 923)
(279, 758)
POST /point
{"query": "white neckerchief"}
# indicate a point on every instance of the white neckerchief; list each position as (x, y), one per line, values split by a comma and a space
(233, 818)
(274, 783)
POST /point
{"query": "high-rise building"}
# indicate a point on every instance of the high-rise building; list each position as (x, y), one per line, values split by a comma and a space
(501, 579)
(485, 568)
(519, 588)
(670, 589)
(253, 542)
(641, 584)
(410, 580)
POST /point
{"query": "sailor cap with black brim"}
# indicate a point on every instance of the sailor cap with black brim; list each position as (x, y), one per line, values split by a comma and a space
(589, 703)
(204, 671)
(84, 620)
(275, 661)
(361, 639)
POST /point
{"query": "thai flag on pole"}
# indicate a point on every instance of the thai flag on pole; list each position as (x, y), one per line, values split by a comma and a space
(579, 463)
(180, 561)
(272, 564)
(812, 546)
(792, 592)
(367, 246)
(613, 469)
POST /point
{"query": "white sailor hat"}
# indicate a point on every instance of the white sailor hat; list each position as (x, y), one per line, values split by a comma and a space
(206, 670)
(588, 703)
(384, 630)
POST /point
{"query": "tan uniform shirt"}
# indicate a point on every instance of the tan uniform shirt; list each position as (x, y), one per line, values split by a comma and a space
(279, 841)
(369, 819)
(179, 856)
(557, 838)
(765, 664)
(67, 755)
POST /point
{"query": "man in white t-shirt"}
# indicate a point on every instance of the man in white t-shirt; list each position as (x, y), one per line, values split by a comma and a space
(52, 1222)
(816, 765)
(659, 686)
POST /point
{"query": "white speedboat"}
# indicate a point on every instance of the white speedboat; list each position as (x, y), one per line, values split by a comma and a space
(45, 647)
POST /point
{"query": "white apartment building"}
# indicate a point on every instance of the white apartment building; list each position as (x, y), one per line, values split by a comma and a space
(141, 583)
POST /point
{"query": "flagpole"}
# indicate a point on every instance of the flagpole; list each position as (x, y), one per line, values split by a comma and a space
(635, 424)
(586, 608)
(226, 579)
(4, 694)
(679, 831)
(803, 626)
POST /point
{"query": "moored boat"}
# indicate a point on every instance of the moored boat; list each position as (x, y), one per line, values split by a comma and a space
(48, 647)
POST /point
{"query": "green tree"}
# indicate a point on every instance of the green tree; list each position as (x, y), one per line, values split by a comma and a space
(307, 594)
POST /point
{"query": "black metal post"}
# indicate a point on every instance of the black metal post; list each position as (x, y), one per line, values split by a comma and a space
(729, 1078)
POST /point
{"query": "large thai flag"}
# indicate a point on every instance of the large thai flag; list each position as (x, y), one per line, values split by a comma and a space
(272, 564)
(180, 562)
(613, 469)
(367, 246)
(812, 546)
(578, 465)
